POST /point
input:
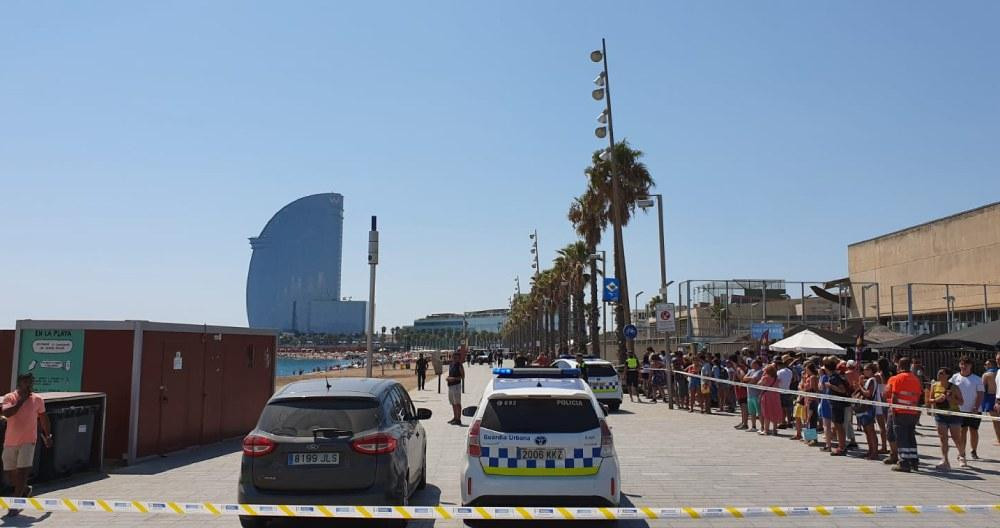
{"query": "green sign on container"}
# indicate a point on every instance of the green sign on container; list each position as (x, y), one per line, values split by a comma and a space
(55, 357)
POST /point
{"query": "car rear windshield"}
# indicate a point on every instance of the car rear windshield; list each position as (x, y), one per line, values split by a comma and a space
(302, 417)
(601, 371)
(537, 415)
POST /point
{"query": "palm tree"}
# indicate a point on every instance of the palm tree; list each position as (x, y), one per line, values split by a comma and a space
(634, 182)
(575, 258)
(653, 301)
(589, 217)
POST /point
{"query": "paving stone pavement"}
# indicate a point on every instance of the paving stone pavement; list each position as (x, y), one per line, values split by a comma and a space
(668, 459)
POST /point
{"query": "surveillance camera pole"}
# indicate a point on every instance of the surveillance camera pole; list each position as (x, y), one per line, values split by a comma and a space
(372, 262)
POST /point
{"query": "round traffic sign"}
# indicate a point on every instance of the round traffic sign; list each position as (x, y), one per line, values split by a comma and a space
(665, 315)
(630, 331)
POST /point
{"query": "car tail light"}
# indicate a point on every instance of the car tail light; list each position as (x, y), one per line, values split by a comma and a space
(376, 444)
(607, 441)
(256, 446)
(474, 449)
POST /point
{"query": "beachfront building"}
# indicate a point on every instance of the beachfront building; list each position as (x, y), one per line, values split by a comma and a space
(294, 279)
(475, 321)
(932, 278)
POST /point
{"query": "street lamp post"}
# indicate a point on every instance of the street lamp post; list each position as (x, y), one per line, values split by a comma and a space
(663, 281)
(646, 203)
(603, 91)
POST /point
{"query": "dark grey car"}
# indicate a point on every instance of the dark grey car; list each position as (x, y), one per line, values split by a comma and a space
(346, 441)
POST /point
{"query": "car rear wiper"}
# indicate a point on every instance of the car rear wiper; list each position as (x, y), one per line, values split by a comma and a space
(330, 432)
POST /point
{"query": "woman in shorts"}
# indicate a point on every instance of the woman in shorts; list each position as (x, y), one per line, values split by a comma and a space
(882, 375)
(866, 415)
(694, 385)
(946, 396)
(659, 378)
(753, 395)
(644, 373)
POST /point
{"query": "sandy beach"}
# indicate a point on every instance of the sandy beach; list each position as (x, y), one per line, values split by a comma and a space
(407, 377)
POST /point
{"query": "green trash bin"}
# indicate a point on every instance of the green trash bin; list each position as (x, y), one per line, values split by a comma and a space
(72, 441)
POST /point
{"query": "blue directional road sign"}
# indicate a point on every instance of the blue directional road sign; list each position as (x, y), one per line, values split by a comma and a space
(612, 290)
(630, 331)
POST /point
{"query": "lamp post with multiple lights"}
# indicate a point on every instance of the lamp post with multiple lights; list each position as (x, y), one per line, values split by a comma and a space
(603, 91)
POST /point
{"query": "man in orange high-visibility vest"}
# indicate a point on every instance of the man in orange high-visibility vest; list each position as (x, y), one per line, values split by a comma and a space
(904, 388)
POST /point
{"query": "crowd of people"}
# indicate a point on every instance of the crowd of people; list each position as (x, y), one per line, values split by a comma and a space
(701, 384)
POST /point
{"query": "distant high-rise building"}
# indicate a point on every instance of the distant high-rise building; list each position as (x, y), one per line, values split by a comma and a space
(294, 278)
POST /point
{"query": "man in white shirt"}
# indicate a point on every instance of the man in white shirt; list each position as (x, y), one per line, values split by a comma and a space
(972, 389)
(785, 376)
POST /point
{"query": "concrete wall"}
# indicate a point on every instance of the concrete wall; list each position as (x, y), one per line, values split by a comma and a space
(962, 248)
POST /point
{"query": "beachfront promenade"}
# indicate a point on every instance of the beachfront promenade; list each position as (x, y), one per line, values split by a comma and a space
(668, 458)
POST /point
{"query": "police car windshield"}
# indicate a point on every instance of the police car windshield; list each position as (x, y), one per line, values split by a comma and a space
(540, 415)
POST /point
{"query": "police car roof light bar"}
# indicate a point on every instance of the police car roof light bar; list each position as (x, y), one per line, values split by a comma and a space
(536, 372)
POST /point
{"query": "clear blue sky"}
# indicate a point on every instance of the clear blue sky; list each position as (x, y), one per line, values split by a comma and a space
(141, 143)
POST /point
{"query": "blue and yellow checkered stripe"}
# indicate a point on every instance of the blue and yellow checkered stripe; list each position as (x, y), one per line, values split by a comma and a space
(504, 461)
(603, 386)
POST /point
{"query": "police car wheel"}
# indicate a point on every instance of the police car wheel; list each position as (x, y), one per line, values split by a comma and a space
(614, 406)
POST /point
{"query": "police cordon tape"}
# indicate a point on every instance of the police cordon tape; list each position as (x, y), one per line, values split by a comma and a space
(833, 397)
(46, 504)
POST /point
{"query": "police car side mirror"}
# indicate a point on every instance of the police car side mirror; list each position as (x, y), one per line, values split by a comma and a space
(423, 414)
(469, 412)
(605, 409)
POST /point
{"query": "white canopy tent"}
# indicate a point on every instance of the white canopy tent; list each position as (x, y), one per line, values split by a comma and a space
(808, 342)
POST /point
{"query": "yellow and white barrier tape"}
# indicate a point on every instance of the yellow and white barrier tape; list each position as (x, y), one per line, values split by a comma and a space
(834, 397)
(46, 504)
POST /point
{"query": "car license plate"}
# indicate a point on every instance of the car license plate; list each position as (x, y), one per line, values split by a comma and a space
(313, 459)
(544, 453)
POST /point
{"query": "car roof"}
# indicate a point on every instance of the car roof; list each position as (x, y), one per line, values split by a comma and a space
(567, 387)
(339, 388)
(587, 361)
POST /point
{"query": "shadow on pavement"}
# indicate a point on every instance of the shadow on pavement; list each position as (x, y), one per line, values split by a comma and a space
(24, 519)
(66, 483)
(179, 459)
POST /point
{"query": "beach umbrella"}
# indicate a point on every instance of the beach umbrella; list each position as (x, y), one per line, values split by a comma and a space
(808, 342)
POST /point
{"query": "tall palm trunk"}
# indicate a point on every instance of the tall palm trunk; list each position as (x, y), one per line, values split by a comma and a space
(622, 314)
(579, 330)
(554, 328)
(594, 310)
(564, 321)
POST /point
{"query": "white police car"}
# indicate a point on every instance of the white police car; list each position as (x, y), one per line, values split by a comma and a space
(539, 435)
(602, 378)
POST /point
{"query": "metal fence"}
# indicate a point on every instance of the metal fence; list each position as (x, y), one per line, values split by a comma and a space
(714, 309)
(937, 308)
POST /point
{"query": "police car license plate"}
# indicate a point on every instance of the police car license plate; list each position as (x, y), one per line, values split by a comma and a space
(313, 459)
(545, 453)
